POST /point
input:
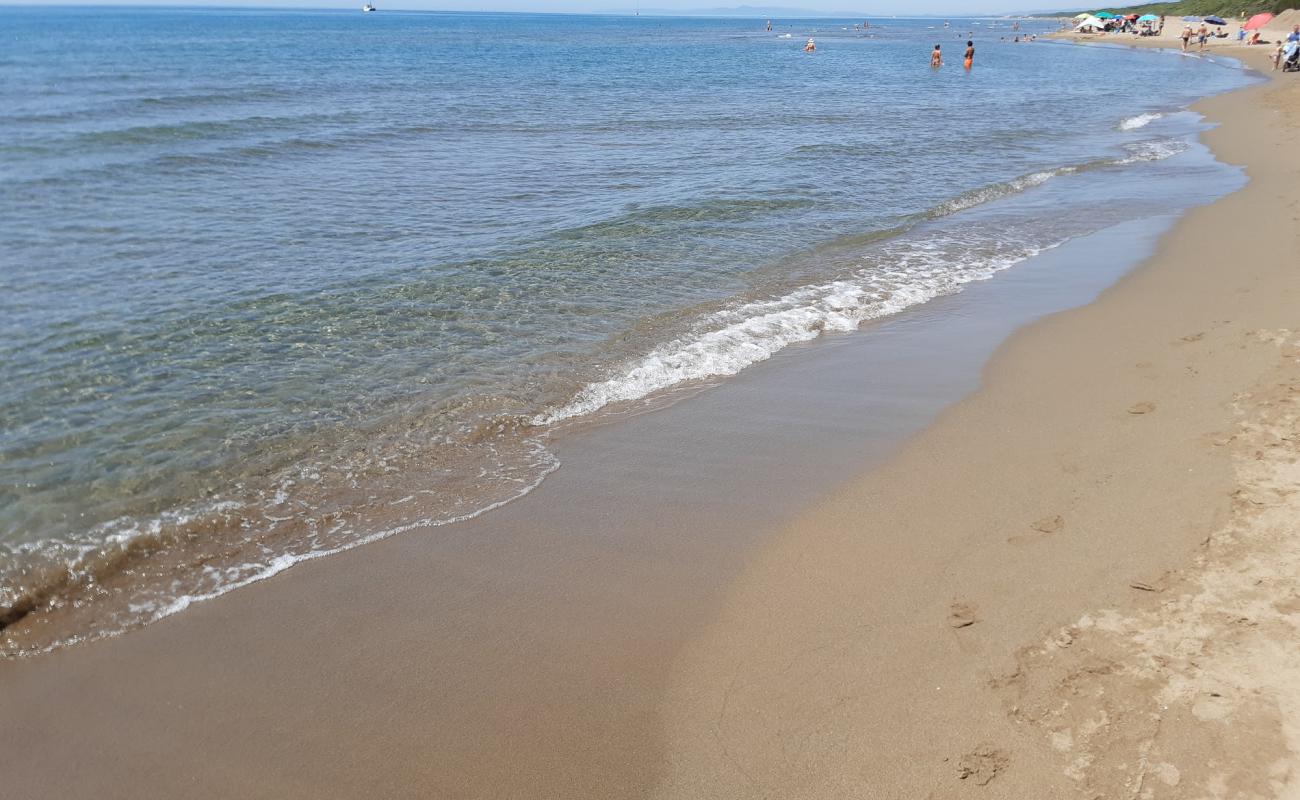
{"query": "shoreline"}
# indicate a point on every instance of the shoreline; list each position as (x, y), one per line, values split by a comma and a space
(1045, 593)
(616, 759)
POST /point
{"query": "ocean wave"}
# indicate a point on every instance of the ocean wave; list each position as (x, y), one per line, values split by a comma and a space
(996, 191)
(728, 341)
(1140, 121)
(203, 129)
(1153, 150)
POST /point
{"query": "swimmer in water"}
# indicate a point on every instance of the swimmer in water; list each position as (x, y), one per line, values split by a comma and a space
(936, 58)
(970, 55)
(811, 47)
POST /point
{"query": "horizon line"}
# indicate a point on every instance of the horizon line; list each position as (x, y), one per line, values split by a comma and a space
(703, 12)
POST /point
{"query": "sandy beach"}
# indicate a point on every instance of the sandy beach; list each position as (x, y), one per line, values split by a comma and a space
(1079, 581)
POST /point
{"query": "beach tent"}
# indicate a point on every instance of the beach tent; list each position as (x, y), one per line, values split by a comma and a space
(1090, 24)
(1258, 21)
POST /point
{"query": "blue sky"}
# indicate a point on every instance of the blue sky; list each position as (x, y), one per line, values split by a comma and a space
(866, 8)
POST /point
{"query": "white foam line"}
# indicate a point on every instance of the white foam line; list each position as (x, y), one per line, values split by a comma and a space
(1140, 121)
(1154, 150)
(756, 331)
(283, 562)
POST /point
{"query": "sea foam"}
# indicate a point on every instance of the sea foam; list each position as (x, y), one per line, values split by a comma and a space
(1140, 121)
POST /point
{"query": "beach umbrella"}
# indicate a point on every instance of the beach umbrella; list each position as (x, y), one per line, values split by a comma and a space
(1191, 19)
(1258, 21)
(1148, 18)
(1105, 15)
(1084, 15)
(1215, 21)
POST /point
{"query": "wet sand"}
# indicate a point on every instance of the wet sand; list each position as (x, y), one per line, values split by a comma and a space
(730, 623)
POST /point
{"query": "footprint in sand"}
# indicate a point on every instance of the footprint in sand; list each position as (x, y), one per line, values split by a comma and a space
(1145, 407)
(982, 765)
(1049, 524)
(1194, 337)
(1040, 527)
(962, 616)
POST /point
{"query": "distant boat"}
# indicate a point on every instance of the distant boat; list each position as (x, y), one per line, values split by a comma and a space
(368, 8)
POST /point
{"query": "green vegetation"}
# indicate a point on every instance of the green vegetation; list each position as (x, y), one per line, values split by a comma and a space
(1228, 9)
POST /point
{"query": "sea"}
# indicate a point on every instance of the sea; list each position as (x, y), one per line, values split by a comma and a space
(275, 284)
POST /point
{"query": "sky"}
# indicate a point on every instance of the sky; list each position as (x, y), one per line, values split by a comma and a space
(854, 8)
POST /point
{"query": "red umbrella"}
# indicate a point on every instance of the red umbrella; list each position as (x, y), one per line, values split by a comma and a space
(1258, 21)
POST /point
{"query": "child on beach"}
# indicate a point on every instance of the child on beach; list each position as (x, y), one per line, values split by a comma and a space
(936, 58)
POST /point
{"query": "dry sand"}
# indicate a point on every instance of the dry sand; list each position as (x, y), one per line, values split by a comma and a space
(1082, 582)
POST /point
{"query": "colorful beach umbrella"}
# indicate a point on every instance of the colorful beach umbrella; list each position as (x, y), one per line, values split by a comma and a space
(1148, 18)
(1258, 21)
(1105, 15)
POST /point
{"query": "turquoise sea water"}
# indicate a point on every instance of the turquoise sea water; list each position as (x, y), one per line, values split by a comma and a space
(275, 283)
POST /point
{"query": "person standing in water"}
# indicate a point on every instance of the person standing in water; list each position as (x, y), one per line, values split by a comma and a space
(970, 55)
(811, 47)
(936, 58)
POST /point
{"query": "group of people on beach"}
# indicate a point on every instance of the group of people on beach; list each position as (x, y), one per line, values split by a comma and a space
(1203, 35)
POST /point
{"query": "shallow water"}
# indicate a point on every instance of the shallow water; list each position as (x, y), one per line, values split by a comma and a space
(271, 280)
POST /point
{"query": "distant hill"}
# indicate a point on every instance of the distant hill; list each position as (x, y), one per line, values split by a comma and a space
(1228, 9)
